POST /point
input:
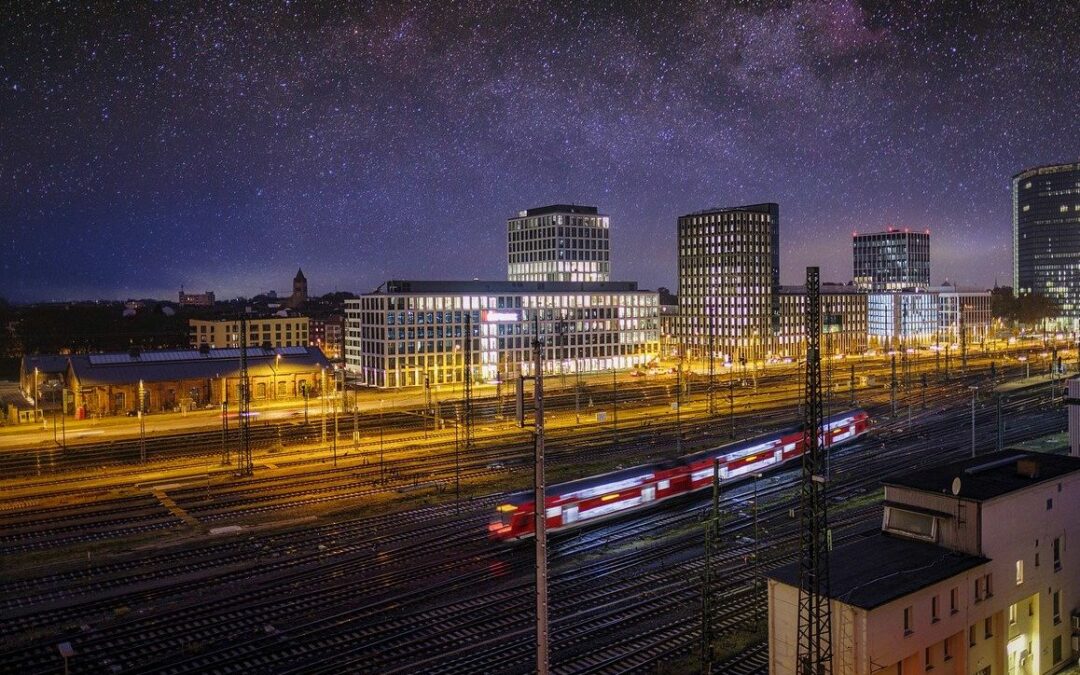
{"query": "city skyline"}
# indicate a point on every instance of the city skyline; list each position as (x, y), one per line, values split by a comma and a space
(220, 149)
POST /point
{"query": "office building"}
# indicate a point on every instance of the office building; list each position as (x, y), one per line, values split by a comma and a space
(844, 328)
(271, 331)
(1046, 237)
(902, 319)
(963, 311)
(561, 242)
(893, 260)
(971, 573)
(729, 279)
(410, 333)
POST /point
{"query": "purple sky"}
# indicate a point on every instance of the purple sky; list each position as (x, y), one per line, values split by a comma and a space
(221, 147)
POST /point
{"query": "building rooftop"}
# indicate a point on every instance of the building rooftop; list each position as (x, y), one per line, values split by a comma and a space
(988, 476)
(45, 363)
(561, 208)
(183, 364)
(878, 568)
(475, 286)
(767, 207)
(1047, 168)
(890, 230)
(826, 289)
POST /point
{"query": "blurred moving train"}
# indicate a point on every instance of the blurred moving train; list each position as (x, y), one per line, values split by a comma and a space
(590, 499)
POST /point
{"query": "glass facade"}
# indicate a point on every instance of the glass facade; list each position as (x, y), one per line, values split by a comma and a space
(1046, 236)
(893, 260)
(401, 339)
(562, 242)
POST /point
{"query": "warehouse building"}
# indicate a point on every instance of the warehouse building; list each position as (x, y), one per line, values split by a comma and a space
(172, 380)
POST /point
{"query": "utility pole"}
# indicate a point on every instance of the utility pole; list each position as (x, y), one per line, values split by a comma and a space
(142, 422)
(852, 385)
(974, 391)
(539, 496)
(614, 408)
(892, 385)
(244, 464)
(322, 407)
(678, 407)
(814, 653)
(468, 381)
(334, 403)
(712, 533)
(382, 476)
(355, 425)
(225, 460)
(731, 398)
(712, 363)
(963, 342)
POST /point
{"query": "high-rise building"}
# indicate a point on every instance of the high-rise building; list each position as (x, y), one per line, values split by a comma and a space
(729, 280)
(561, 242)
(1046, 236)
(893, 260)
(411, 333)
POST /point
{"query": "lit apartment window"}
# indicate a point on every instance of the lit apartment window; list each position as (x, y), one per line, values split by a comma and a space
(1012, 614)
(1019, 572)
(907, 621)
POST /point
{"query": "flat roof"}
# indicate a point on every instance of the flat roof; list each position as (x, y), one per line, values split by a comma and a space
(765, 207)
(1045, 169)
(398, 286)
(890, 231)
(989, 475)
(826, 289)
(878, 568)
(577, 209)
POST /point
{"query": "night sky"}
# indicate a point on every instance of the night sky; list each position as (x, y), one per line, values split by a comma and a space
(222, 145)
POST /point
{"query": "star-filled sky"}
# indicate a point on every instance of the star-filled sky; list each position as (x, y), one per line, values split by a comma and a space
(220, 145)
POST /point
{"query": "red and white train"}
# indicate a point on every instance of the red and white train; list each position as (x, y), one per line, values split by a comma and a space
(591, 499)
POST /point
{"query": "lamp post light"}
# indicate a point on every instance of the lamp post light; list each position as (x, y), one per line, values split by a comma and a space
(382, 478)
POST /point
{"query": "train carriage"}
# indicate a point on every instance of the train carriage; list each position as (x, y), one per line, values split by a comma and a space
(595, 498)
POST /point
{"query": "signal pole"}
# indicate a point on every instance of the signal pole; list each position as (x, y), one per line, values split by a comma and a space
(892, 386)
(814, 652)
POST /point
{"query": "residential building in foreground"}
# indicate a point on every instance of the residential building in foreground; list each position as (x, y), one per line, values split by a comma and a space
(273, 331)
(893, 260)
(411, 333)
(729, 280)
(1046, 237)
(974, 571)
(561, 242)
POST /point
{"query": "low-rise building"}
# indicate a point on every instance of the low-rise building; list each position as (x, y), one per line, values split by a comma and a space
(266, 331)
(196, 299)
(414, 332)
(971, 574)
(169, 380)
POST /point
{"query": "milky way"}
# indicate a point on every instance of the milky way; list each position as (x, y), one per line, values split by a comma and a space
(221, 145)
